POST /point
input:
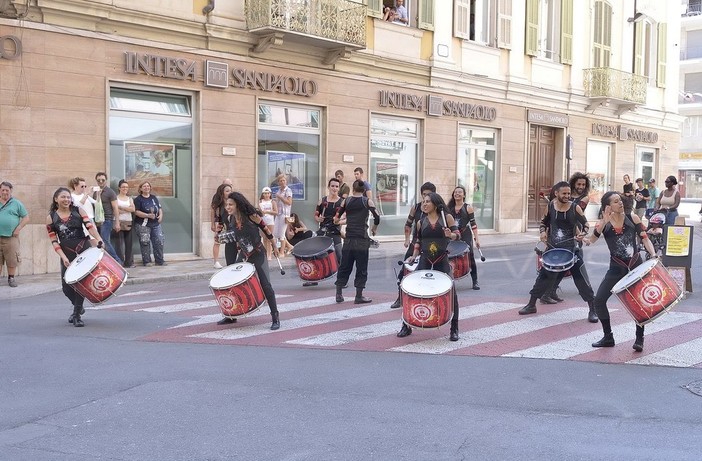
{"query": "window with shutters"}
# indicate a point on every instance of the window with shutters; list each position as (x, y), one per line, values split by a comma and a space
(602, 36)
(649, 51)
(420, 13)
(549, 29)
(487, 22)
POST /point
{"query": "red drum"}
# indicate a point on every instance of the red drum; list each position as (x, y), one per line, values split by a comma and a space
(648, 291)
(409, 268)
(427, 299)
(95, 275)
(459, 258)
(237, 289)
(315, 259)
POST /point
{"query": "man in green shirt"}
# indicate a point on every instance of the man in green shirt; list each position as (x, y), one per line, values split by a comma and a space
(653, 190)
(13, 217)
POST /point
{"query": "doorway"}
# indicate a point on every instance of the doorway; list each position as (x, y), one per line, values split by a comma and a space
(542, 148)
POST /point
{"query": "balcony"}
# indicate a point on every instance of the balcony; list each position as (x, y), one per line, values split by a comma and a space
(336, 25)
(604, 85)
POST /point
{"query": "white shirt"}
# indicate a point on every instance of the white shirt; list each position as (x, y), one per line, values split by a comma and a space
(87, 206)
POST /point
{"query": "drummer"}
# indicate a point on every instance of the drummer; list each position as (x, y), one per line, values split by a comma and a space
(432, 235)
(65, 224)
(620, 231)
(413, 218)
(563, 225)
(324, 215)
(464, 215)
(247, 222)
(356, 207)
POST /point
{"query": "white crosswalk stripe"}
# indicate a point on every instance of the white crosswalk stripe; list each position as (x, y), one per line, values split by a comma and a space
(381, 329)
(581, 344)
(681, 355)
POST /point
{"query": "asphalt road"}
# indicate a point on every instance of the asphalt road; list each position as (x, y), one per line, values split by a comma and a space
(123, 389)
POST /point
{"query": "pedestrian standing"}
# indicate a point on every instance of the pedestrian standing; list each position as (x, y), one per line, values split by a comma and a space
(125, 245)
(13, 217)
(148, 225)
(668, 200)
(108, 199)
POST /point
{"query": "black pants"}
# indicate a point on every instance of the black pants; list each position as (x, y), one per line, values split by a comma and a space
(614, 274)
(73, 296)
(354, 251)
(337, 244)
(124, 247)
(260, 261)
(230, 253)
(546, 280)
(473, 266)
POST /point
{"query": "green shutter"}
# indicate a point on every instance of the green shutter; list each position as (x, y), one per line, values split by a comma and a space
(638, 48)
(461, 19)
(662, 58)
(606, 35)
(567, 32)
(375, 8)
(504, 24)
(426, 14)
(532, 27)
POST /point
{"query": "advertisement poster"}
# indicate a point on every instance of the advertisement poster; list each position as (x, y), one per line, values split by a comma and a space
(677, 241)
(150, 162)
(292, 165)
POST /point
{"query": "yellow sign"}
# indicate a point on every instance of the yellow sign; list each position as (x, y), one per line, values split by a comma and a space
(678, 241)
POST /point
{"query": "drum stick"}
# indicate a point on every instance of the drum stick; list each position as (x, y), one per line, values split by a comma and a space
(482, 258)
(282, 271)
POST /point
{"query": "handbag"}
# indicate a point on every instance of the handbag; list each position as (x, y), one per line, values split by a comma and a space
(99, 211)
(125, 226)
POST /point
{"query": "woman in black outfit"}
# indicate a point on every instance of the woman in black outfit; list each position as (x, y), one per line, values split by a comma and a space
(65, 227)
(464, 215)
(247, 223)
(432, 236)
(619, 230)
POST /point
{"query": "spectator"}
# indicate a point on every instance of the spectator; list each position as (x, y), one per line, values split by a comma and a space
(125, 204)
(641, 196)
(296, 231)
(81, 198)
(269, 209)
(284, 200)
(628, 195)
(390, 14)
(653, 197)
(669, 200)
(401, 16)
(344, 189)
(13, 217)
(109, 205)
(148, 225)
(358, 174)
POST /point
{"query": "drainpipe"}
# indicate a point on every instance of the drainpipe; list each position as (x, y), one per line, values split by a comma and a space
(210, 6)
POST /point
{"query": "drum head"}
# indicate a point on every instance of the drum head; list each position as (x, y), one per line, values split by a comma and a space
(232, 275)
(635, 275)
(558, 259)
(313, 246)
(456, 248)
(83, 265)
(423, 284)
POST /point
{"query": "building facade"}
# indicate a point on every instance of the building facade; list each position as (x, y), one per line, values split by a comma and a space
(690, 99)
(502, 97)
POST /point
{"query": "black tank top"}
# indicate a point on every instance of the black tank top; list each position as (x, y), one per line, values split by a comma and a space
(622, 243)
(562, 230)
(327, 210)
(432, 239)
(247, 235)
(357, 217)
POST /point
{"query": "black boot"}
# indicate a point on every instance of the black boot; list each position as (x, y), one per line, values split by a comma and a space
(339, 295)
(638, 344)
(70, 317)
(606, 341)
(276, 320)
(454, 334)
(77, 322)
(554, 295)
(360, 299)
(475, 285)
(406, 330)
(546, 299)
(226, 321)
(397, 303)
(530, 308)
(591, 315)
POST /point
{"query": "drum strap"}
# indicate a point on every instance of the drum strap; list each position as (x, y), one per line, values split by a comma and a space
(632, 262)
(437, 260)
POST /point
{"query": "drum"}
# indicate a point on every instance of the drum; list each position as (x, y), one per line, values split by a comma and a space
(558, 260)
(226, 237)
(315, 259)
(648, 291)
(237, 289)
(459, 258)
(427, 299)
(95, 275)
(409, 268)
(539, 265)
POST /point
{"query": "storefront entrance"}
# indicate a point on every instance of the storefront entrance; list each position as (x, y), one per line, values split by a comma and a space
(542, 148)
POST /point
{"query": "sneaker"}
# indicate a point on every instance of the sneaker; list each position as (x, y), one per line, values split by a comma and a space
(11, 281)
(217, 265)
(148, 264)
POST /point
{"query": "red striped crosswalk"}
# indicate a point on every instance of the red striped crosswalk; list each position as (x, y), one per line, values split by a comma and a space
(312, 319)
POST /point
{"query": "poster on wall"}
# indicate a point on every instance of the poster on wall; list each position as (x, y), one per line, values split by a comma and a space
(597, 188)
(150, 162)
(292, 165)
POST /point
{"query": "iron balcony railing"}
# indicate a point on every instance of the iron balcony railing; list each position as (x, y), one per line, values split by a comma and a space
(341, 21)
(604, 82)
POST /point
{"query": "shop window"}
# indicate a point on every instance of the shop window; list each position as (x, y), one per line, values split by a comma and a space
(477, 161)
(151, 137)
(289, 143)
(393, 170)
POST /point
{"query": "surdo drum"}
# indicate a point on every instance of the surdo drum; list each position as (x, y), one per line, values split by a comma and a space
(315, 259)
(459, 258)
(237, 289)
(427, 299)
(648, 291)
(95, 275)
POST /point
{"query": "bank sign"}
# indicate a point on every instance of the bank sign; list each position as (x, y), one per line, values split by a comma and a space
(217, 74)
(436, 105)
